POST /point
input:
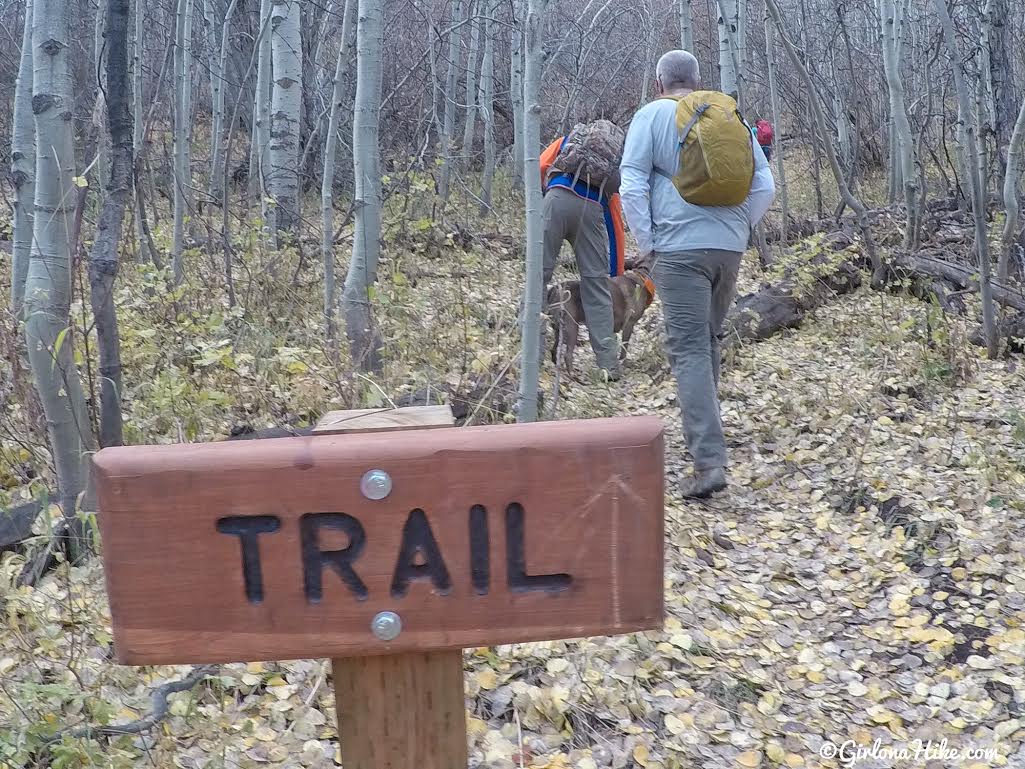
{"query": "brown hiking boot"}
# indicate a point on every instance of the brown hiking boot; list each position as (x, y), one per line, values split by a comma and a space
(703, 483)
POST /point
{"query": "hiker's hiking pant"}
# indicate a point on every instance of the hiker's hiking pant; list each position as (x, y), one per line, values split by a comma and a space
(696, 289)
(568, 216)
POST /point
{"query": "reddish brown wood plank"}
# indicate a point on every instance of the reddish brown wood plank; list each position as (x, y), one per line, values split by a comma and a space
(401, 710)
(590, 497)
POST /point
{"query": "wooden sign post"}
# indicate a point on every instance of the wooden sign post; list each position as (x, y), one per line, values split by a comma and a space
(388, 552)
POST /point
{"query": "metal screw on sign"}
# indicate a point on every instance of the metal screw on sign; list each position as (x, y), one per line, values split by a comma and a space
(375, 484)
(386, 625)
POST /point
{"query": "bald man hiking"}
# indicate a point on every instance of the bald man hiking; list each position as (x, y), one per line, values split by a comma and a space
(693, 184)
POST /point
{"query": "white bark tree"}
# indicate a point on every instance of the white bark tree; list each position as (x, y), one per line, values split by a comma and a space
(219, 49)
(448, 121)
(516, 88)
(138, 49)
(530, 362)
(286, 106)
(48, 285)
(182, 130)
(729, 66)
(781, 176)
(23, 171)
(470, 126)
(903, 139)
(261, 111)
(1012, 205)
(487, 104)
(364, 339)
(970, 151)
(686, 25)
(327, 199)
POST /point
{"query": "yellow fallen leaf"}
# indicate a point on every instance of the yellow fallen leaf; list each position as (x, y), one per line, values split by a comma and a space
(641, 754)
(556, 666)
(768, 703)
(487, 679)
(881, 715)
(674, 725)
(750, 759)
(815, 676)
(794, 761)
(276, 681)
(775, 753)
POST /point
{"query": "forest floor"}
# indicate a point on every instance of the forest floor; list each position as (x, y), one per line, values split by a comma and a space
(863, 578)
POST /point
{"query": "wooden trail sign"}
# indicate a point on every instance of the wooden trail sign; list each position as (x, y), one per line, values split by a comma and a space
(412, 545)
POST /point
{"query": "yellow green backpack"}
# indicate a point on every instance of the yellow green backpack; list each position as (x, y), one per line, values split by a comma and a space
(716, 164)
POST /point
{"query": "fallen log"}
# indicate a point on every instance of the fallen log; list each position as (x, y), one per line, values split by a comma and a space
(16, 522)
(960, 275)
(1011, 330)
(803, 287)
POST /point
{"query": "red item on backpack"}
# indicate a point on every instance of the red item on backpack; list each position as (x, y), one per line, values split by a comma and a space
(765, 133)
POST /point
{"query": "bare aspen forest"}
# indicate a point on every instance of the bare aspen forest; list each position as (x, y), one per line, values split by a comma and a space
(224, 219)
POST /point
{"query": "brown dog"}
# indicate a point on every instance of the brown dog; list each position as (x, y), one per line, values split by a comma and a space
(632, 294)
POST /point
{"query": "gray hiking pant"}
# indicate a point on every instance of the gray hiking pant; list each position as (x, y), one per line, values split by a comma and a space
(570, 217)
(697, 289)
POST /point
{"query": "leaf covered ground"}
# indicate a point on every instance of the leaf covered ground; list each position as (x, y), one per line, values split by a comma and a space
(863, 579)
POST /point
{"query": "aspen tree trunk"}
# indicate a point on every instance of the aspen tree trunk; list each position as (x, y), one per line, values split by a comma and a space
(975, 182)
(740, 38)
(903, 140)
(530, 363)
(48, 286)
(843, 132)
(138, 45)
(448, 122)
(327, 184)
(286, 105)
(103, 259)
(1012, 206)
(261, 111)
(781, 177)
(487, 104)
(728, 65)
(648, 66)
(878, 269)
(686, 25)
(985, 104)
(364, 339)
(218, 69)
(99, 108)
(1002, 76)
(23, 167)
(182, 124)
(470, 127)
(516, 87)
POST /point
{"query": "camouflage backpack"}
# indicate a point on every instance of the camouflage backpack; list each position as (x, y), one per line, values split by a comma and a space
(591, 152)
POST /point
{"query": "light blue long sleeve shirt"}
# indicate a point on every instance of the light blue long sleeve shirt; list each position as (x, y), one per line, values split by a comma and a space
(659, 219)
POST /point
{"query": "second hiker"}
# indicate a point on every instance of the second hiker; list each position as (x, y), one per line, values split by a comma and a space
(580, 179)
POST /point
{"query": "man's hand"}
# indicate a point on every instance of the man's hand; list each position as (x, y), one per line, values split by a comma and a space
(645, 263)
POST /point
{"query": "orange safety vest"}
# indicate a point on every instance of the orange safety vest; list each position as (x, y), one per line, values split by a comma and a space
(612, 207)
